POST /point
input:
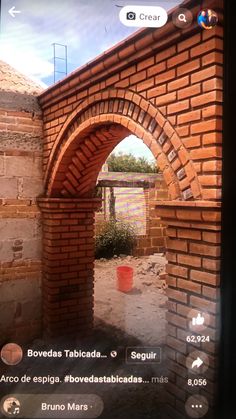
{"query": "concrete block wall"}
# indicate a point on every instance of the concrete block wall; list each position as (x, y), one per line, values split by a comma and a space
(21, 181)
(154, 241)
(130, 206)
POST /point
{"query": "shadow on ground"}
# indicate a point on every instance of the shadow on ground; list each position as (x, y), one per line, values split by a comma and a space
(121, 401)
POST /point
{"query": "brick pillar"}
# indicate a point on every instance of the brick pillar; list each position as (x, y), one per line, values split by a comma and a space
(68, 257)
(193, 253)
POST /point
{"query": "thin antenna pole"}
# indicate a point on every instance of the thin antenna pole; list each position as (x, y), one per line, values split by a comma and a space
(54, 63)
(57, 58)
(66, 58)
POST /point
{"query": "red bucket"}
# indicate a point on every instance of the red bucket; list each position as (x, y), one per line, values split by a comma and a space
(124, 278)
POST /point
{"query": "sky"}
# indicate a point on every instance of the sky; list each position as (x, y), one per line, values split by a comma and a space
(87, 27)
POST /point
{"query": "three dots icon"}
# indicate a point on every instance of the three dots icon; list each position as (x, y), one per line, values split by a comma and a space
(196, 406)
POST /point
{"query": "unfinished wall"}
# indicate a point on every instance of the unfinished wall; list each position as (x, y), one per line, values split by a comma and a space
(135, 196)
(137, 206)
(154, 241)
(130, 207)
(20, 220)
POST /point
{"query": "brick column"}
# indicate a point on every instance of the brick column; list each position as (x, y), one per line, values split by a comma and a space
(193, 253)
(68, 257)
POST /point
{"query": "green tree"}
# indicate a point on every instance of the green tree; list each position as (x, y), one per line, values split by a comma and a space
(128, 163)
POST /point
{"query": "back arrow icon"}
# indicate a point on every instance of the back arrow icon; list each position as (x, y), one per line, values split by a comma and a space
(13, 12)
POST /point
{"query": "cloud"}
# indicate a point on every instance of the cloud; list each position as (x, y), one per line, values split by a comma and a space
(87, 27)
(26, 60)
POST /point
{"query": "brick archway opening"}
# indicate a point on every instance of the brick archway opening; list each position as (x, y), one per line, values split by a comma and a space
(83, 146)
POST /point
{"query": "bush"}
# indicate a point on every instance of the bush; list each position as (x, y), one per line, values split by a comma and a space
(115, 238)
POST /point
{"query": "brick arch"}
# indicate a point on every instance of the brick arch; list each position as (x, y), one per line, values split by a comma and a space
(97, 125)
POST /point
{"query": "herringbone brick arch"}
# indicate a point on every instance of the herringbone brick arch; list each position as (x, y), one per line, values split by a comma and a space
(165, 86)
(93, 130)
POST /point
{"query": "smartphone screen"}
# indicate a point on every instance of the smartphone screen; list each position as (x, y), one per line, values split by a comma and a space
(110, 208)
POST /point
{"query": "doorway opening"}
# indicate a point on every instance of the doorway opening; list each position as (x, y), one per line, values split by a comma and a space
(130, 185)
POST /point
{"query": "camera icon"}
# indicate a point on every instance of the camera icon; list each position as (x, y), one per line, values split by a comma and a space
(130, 16)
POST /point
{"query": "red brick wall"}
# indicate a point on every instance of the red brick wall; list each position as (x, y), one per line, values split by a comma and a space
(193, 254)
(164, 86)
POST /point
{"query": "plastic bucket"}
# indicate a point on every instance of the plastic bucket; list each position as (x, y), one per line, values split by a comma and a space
(124, 278)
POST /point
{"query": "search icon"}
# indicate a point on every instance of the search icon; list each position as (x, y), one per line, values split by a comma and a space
(182, 18)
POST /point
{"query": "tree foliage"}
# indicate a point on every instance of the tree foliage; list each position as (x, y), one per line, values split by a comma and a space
(129, 163)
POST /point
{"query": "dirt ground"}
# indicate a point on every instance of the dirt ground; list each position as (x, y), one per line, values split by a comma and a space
(121, 320)
(140, 312)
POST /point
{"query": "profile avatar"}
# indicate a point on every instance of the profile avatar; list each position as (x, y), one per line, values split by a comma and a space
(11, 354)
(11, 406)
(207, 19)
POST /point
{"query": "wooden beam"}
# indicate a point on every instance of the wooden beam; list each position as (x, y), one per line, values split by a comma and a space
(106, 183)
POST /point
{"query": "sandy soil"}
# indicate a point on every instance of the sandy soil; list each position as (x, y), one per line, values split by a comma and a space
(140, 312)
